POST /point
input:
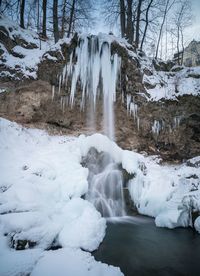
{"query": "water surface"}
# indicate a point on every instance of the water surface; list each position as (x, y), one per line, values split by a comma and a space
(138, 247)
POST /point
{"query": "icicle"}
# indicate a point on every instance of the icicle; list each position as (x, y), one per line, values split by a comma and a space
(138, 123)
(133, 110)
(176, 122)
(60, 83)
(128, 101)
(94, 66)
(53, 92)
(156, 128)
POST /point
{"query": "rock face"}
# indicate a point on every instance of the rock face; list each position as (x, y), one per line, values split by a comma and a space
(170, 128)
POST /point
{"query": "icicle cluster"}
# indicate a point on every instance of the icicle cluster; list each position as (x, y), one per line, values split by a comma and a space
(96, 70)
(132, 109)
(157, 127)
(176, 122)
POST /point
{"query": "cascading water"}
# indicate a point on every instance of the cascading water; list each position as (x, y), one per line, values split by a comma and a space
(96, 71)
(105, 184)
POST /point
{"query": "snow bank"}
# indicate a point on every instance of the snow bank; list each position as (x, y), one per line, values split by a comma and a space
(40, 188)
(35, 262)
(130, 160)
(72, 262)
(39, 198)
(197, 224)
(168, 193)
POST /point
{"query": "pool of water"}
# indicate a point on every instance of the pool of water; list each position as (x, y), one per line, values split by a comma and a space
(138, 247)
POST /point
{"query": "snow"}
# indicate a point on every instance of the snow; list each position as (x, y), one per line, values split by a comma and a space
(72, 262)
(197, 224)
(25, 59)
(2, 90)
(171, 85)
(168, 193)
(40, 202)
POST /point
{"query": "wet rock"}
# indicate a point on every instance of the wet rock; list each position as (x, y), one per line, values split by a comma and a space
(160, 65)
(194, 162)
(21, 244)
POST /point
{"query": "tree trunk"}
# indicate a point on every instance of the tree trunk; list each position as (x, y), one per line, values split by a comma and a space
(44, 21)
(55, 20)
(183, 49)
(178, 40)
(122, 18)
(38, 16)
(129, 32)
(22, 7)
(71, 18)
(63, 18)
(137, 31)
(146, 23)
(167, 8)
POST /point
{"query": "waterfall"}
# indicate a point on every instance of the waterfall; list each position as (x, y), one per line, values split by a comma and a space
(93, 69)
(96, 71)
(105, 184)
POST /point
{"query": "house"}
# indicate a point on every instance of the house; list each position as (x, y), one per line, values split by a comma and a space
(191, 55)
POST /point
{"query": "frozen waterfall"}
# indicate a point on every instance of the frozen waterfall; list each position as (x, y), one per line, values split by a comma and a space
(95, 70)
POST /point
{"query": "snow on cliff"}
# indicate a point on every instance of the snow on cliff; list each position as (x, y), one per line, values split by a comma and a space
(21, 50)
(170, 85)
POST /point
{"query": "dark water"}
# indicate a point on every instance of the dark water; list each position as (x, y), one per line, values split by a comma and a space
(140, 248)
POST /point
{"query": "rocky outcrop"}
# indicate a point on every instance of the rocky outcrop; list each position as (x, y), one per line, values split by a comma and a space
(170, 128)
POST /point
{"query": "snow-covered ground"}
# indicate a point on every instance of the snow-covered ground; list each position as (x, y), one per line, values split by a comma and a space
(41, 185)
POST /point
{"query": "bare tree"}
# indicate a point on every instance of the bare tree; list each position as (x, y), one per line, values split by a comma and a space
(137, 31)
(72, 11)
(146, 22)
(22, 7)
(122, 18)
(44, 19)
(168, 6)
(129, 25)
(55, 20)
(182, 19)
(64, 7)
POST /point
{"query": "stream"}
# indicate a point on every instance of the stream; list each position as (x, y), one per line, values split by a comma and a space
(140, 248)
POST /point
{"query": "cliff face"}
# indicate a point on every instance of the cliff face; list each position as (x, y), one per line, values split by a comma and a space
(156, 109)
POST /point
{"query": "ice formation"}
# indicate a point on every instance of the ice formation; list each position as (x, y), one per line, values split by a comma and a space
(96, 70)
(176, 122)
(157, 127)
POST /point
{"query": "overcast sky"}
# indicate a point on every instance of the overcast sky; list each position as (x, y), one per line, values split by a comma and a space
(193, 32)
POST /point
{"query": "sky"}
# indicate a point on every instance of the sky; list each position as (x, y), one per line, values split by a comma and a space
(193, 32)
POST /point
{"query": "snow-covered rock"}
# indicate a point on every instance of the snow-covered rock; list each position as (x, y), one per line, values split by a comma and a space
(197, 224)
(170, 193)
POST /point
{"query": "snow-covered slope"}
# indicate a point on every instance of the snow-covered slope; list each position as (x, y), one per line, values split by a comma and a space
(170, 85)
(21, 50)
